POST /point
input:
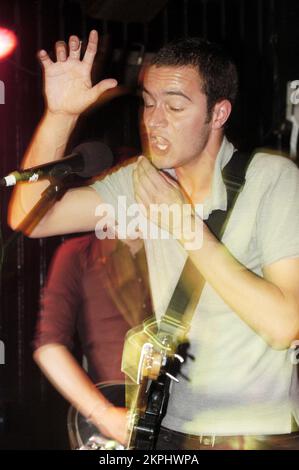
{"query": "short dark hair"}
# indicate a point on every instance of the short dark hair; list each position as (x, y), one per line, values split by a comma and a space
(216, 69)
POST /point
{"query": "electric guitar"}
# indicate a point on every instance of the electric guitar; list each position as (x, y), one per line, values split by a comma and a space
(148, 391)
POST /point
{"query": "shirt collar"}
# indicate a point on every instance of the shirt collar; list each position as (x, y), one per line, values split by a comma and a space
(217, 198)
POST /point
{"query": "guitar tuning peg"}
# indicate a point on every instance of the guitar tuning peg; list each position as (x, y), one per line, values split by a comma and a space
(191, 357)
(172, 377)
(180, 358)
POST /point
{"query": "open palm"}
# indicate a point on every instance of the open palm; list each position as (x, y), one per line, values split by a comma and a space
(68, 87)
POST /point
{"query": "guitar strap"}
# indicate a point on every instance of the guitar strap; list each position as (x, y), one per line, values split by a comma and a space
(177, 319)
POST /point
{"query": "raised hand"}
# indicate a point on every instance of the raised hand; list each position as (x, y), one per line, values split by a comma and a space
(166, 204)
(68, 87)
(153, 188)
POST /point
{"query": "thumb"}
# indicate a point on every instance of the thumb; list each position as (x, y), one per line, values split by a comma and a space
(104, 85)
(169, 178)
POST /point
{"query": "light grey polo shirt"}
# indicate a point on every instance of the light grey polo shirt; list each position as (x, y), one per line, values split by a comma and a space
(237, 384)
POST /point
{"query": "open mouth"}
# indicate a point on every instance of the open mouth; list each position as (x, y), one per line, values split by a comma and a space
(159, 143)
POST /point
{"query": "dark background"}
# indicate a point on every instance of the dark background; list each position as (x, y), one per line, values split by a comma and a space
(262, 36)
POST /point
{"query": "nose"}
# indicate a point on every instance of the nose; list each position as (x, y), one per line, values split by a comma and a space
(155, 117)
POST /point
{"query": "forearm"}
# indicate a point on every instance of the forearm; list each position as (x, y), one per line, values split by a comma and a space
(68, 377)
(50, 138)
(48, 144)
(258, 302)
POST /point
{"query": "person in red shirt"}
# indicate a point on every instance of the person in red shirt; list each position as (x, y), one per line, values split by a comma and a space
(99, 289)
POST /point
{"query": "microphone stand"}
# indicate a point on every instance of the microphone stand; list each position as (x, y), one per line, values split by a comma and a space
(53, 193)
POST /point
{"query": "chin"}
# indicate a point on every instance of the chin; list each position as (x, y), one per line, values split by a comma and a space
(161, 162)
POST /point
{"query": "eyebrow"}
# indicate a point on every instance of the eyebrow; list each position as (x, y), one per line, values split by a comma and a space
(170, 92)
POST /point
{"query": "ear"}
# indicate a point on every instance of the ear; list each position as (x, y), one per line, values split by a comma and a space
(221, 113)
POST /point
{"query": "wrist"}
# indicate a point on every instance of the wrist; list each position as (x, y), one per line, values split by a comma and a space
(98, 412)
(61, 117)
(192, 233)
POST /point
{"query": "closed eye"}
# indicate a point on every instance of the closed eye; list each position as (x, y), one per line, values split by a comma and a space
(176, 109)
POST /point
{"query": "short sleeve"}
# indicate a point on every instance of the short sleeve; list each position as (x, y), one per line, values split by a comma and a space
(278, 217)
(116, 188)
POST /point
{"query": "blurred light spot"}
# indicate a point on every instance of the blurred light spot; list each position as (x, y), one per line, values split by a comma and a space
(8, 42)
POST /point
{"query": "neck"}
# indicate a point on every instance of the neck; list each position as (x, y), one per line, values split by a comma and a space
(196, 177)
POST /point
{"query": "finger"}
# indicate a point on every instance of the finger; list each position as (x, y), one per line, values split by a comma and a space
(147, 183)
(136, 185)
(142, 206)
(168, 179)
(104, 85)
(148, 167)
(61, 51)
(44, 58)
(91, 49)
(74, 47)
(141, 192)
(149, 175)
(135, 181)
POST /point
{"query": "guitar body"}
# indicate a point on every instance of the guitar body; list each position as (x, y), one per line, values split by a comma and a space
(149, 397)
(147, 424)
(84, 435)
(152, 400)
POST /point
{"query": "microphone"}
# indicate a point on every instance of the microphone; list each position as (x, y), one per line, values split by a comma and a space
(86, 160)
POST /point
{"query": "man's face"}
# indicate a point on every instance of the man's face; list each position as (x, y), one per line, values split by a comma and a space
(175, 116)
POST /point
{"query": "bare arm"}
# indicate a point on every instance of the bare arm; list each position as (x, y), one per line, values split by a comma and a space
(269, 305)
(74, 384)
(68, 92)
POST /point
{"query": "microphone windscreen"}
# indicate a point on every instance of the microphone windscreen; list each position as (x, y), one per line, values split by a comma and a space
(97, 157)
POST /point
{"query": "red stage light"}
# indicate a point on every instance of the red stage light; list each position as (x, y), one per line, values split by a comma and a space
(8, 42)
